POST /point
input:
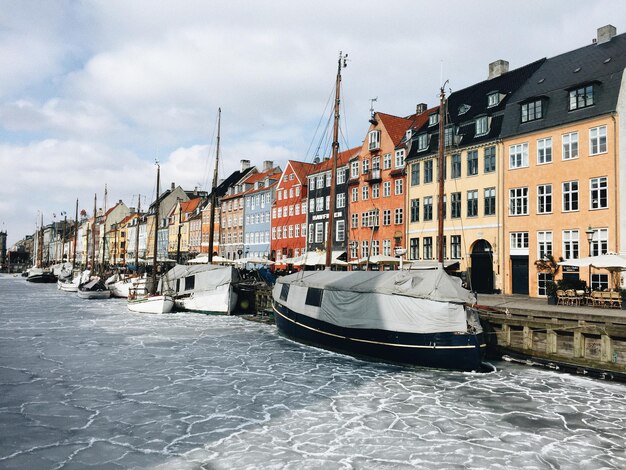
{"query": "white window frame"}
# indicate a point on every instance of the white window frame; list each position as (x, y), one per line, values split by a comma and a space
(544, 151)
(568, 191)
(518, 156)
(544, 244)
(518, 201)
(569, 146)
(544, 198)
(599, 192)
(597, 140)
(571, 244)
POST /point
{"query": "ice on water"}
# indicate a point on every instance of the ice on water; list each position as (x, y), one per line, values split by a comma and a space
(86, 384)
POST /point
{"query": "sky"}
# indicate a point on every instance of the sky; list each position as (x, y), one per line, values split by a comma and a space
(93, 93)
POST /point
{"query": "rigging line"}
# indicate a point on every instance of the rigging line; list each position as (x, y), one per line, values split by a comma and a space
(313, 138)
(210, 158)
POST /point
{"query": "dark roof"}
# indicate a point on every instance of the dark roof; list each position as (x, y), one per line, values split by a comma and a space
(599, 64)
(466, 105)
(235, 176)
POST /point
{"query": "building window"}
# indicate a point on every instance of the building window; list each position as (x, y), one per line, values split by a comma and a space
(490, 201)
(447, 136)
(544, 244)
(472, 162)
(319, 204)
(355, 195)
(532, 111)
(415, 174)
(598, 193)
(490, 159)
(518, 156)
(518, 201)
(354, 249)
(319, 232)
(472, 203)
(428, 247)
(433, 119)
(365, 193)
(482, 125)
(414, 248)
(375, 247)
(493, 99)
(320, 181)
(340, 230)
(355, 220)
(375, 163)
(354, 169)
(387, 217)
(376, 190)
(341, 200)
(600, 242)
(455, 205)
(428, 208)
(365, 249)
(366, 165)
(387, 247)
(341, 179)
(544, 151)
(597, 140)
(456, 166)
(399, 183)
(570, 146)
(455, 247)
(387, 161)
(399, 216)
(519, 240)
(600, 281)
(581, 97)
(544, 199)
(422, 141)
(415, 210)
(428, 171)
(570, 244)
(570, 196)
(374, 140)
(387, 189)
(400, 158)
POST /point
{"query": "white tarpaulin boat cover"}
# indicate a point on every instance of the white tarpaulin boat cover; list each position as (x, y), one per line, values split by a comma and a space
(209, 276)
(405, 301)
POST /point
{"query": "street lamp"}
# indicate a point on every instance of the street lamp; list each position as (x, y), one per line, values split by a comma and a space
(589, 232)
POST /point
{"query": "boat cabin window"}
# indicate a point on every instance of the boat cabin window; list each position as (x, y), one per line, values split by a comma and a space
(284, 292)
(190, 282)
(314, 297)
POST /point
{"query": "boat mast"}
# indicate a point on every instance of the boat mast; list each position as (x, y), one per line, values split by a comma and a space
(341, 63)
(75, 235)
(214, 189)
(137, 233)
(156, 233)
(442, 114)
(93, 235)
(104, 229)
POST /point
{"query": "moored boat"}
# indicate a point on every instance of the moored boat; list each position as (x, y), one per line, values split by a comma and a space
(41, 275)
(146, 303)
(69, 285)
(93, 289)
(410, 317)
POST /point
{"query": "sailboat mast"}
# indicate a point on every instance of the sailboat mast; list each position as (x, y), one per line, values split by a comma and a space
(214, 189)
(137, 233)
(335, 152)
(75, 235)
(93, 235)
(156, 232)
(440, 162)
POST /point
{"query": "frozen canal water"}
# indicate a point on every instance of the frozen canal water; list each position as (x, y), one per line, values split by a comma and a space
(88, 385)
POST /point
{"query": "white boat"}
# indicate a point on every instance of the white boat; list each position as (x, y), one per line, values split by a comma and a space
(120, 285)
(69, 286)
(204, 288)
(417, 317)
(93, 289)
(40, 275)
(146, 303)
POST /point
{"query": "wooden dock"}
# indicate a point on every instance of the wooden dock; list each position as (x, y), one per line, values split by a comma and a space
(583, 339)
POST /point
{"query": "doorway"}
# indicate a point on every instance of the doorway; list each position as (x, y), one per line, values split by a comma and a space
(481, 274)
(519, 273)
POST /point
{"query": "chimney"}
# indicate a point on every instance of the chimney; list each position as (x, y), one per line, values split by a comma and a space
(497, 68)
(268, 165)
(173, 186)
(420, 108)
(245, 164)
(132, 210)
(606, 33)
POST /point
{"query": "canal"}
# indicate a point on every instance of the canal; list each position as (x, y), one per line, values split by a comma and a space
(88, 385)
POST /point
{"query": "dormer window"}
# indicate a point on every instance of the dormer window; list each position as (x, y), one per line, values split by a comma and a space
(448, 134)
(581, 97)
(493, 99)
(422, 141)
(433, 119)
(482, 125)
(374, 140)
(532, 110)
(463, 109)
(408, 134)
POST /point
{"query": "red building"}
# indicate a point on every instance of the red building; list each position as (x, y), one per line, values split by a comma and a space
(377, 187)
(289, 213)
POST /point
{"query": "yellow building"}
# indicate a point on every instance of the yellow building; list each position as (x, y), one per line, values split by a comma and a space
(561, 137)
